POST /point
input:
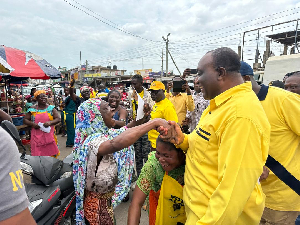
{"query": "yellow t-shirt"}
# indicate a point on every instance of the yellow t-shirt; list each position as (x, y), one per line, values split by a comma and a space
(182, 102)
(165, 110)
(225, 157)
(283, 111)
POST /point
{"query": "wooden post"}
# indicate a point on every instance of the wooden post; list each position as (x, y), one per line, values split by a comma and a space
(285, 48)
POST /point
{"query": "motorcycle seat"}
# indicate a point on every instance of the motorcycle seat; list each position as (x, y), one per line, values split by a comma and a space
(47, 193)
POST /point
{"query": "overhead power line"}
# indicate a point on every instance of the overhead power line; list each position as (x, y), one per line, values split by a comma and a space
(248, 21)
(111, 24)
(207, 39)
(152, 50)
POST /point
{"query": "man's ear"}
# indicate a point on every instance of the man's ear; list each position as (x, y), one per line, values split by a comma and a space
(222, 73)
(246, 78)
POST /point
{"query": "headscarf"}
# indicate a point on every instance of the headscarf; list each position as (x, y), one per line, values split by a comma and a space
(37, 93)
(27, 97)
(84, 88)
(89, 121)
(92, 92)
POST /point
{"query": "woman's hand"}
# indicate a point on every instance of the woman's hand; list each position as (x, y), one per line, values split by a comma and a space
(36, 126)
(47, 124)
(72, 82)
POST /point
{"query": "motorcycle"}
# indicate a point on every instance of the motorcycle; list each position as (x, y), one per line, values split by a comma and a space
(51, 192)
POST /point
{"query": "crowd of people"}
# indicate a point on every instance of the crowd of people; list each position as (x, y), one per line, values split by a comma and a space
(226, 152)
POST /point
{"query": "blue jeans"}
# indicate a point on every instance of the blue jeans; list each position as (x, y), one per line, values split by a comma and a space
(297, 222)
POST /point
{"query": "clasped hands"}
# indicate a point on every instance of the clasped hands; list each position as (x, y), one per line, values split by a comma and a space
(170, 131)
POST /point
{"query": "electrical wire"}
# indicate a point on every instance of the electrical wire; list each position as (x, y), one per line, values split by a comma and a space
(109, 23)
(248, 21)
(189, 44)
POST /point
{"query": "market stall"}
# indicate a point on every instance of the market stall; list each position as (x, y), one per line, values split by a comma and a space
(21, 65)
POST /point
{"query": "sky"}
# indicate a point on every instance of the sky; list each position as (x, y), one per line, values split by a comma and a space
(128, 33)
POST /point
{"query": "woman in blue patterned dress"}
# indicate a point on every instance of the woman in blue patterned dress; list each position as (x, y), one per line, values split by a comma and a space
(100, 184)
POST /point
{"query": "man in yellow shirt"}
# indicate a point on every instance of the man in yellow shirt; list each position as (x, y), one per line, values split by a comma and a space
(182, 102)
(162, 108)
(282, 108)
(227, 150)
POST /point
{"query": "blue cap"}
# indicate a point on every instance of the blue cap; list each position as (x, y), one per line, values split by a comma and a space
(246, 69)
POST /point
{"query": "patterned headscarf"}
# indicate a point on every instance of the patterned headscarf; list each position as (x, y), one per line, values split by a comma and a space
(37, 93)
(92, 93)
(89, 121)
(83, 88)
(27, 97)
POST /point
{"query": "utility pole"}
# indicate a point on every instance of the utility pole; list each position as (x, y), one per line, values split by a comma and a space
(167, 50)
(257, 51)
(175, 64)
(80, 58)
(296, 45)
(162, 63)
(86, 65)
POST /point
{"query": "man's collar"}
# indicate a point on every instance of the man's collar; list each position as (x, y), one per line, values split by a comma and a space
(179, 93)
(224, 96)
(262, 94)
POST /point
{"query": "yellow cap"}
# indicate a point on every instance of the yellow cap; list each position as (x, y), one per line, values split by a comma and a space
(157, 85)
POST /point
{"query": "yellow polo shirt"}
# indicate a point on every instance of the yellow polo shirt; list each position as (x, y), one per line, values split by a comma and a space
(283, 111)
(165, 110)
(182, 102)
(225, 157)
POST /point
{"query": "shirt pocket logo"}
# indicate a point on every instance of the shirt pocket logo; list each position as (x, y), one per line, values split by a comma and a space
(203, 134)
(199, 155)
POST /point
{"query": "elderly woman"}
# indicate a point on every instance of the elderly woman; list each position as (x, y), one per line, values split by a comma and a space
(42, 143)
(101, 173)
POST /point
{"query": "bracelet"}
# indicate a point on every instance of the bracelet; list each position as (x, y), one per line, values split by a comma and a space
(123, 120)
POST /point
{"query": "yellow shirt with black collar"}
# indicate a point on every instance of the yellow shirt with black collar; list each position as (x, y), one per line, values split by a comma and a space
(283, 111)
(225, 157)
(164, 110)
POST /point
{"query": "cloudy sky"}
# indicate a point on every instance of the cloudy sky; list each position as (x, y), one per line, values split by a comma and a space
(128, 33)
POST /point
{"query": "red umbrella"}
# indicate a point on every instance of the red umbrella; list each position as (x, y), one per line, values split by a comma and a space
(27, 64)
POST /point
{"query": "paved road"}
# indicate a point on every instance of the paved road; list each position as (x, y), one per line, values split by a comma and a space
(122, 210)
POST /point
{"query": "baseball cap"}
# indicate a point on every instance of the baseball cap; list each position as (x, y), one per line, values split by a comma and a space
(157, 85)
(277, 83)
(246, 69)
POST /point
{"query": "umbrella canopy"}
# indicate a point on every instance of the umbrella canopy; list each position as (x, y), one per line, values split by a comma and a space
(5, 68)
(27, 64)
